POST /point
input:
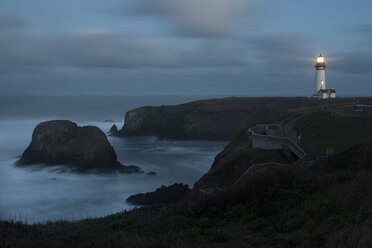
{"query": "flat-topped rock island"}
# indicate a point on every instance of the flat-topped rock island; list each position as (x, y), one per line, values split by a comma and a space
(64, 142)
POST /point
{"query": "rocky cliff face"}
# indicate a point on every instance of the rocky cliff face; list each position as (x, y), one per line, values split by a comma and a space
(64, 142)
(230, 164)
(163, 195)
(215, 119)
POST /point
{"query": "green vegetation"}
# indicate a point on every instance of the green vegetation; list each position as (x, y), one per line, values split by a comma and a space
(290, 208)
(323, 130)
(311, 119)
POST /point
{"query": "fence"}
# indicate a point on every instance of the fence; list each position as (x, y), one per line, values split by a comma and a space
(275, 142)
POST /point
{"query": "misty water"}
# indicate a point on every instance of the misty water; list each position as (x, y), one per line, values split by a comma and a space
(39, 194)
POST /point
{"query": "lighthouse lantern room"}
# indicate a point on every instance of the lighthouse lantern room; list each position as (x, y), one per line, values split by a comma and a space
(320, 83)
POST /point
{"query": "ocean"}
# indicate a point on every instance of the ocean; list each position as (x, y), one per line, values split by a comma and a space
(40, 194)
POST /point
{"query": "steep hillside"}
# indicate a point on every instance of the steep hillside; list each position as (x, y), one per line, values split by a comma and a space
(215, 119)
(233, 161)
(358, 157)
(320, 130)
(328, 130)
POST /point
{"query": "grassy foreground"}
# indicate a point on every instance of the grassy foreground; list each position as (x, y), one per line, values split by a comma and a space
(288, 208)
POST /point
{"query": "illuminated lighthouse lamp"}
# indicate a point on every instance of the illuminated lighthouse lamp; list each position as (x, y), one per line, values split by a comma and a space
(320, 82)
(320, 59)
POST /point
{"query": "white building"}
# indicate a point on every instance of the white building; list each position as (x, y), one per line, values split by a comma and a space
(320, 83)
(327, 93)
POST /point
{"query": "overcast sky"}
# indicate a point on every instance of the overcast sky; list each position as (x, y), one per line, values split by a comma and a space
(184, 47)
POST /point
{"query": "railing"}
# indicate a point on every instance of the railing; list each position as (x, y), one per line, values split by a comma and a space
(266, 126)
(293, 146)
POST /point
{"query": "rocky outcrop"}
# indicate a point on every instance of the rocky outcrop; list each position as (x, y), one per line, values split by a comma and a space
(214, 119)
(230, 164)
(113, 130)
(151, 173)
(163, 195)
(64, 142)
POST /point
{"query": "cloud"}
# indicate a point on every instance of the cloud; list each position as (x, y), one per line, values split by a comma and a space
(24, 49)
(12, 21)
(91, 31)
(103, 48)
(197, 18)
(82, 49)
(360, 28)
(112, 50)
(268, 55)
(281, 50)
(353, 62)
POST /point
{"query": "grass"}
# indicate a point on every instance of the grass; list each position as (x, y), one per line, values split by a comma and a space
(322, 130)
(310, 119)
(291, 208)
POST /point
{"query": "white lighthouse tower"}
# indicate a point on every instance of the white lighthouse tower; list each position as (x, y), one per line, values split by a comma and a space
(320, 83)
(320, 74)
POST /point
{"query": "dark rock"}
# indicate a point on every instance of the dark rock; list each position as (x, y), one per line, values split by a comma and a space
(151, 173)
(132, 169)
(109, 120)
(64, 142)
(230, 164)
(163, 195)
(214, 119)
(113, 130)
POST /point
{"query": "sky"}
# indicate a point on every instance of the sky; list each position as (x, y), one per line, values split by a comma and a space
(184, 47)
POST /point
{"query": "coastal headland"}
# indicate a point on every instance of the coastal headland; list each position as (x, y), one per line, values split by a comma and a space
(251, 196)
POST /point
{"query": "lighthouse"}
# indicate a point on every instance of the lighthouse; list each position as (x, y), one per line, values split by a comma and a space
(320, 83)
(320, 74)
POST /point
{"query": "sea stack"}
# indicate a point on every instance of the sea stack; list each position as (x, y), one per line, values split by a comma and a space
(64, 142)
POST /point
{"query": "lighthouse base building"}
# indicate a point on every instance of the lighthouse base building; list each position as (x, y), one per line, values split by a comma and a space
(320, 84)
(325, 94)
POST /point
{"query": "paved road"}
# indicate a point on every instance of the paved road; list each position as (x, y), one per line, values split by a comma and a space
(289, 131)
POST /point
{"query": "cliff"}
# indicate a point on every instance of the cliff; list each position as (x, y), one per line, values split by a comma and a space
(214, 119)
(230, 164)
(163, 195)
(64, 142)
(326, 205)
